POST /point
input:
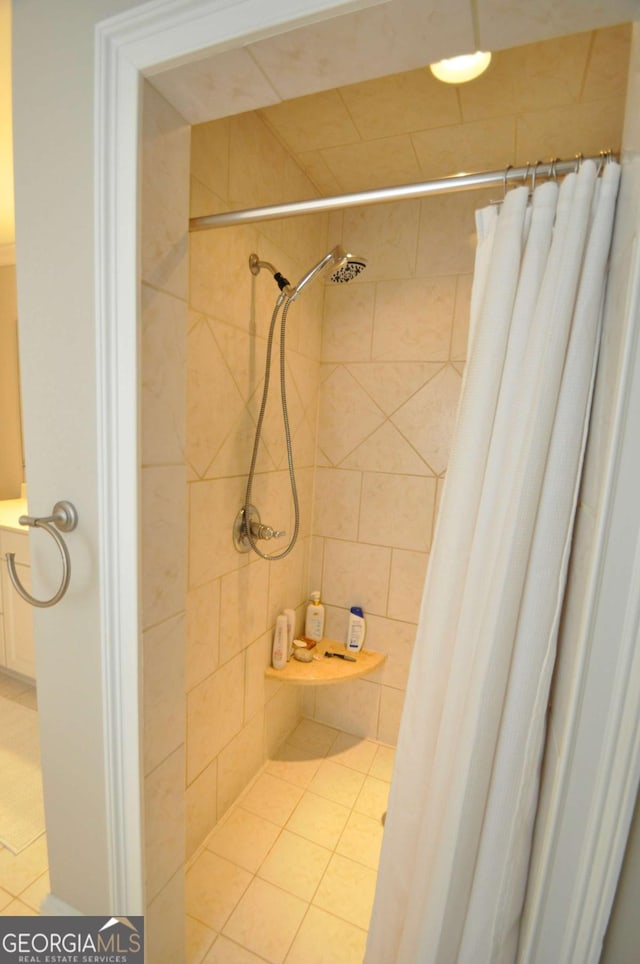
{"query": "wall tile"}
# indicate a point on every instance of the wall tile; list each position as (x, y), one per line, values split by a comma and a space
(427, 421)
(210, 155)
(337, 496)
(203, 615)
(561, 128)
(243, 607)
(391, 703)
(163, 378)
(164, 811)
(380, 163)
(351, 706)
(608, 64)
(214, 715)
(163, 549)
(213, 506)
(213, 401)
(164, 715)
(164, 923)
(348, 324)
(426, 103)
(474, 146)
(397, 510)
(386, 236)
(460, 334)
(201, 807)
(282, 713)
(408, 570)
(447, 233)
(356, 574)
(413, 320)
(391, 384)
(348, 415)
(239, 761)
(312, 123)
(165, 195)
(386, 448)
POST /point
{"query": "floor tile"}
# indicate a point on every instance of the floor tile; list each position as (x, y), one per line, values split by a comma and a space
(225, 951)
(373, 798)
(272, 798)
(361, 840)
(319, 820)
(353, 751)
(295, 864)
(382, 766)
(325, 939)
(199, 939)
(244, 838)
(347, 890)
(17, 909)
(337, 783)
(313, 736)
(35, 893)
(11, 688)
(295, 764)
(213, 888)
(266, 921)
(18, 871)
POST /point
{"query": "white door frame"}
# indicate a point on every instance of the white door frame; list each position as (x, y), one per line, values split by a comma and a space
(129, 46)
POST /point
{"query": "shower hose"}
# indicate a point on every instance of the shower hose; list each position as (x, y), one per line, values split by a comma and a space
(283, 302)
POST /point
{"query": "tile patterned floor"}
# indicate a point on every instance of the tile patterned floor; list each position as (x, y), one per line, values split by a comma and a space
(289, 874)
(24, 878)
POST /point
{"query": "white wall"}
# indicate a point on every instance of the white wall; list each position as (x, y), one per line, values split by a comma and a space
(53, 116)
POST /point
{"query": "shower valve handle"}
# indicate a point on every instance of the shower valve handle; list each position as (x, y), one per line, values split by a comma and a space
(259, 531)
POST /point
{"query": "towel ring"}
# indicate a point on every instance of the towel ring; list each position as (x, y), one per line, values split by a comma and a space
(63, 519)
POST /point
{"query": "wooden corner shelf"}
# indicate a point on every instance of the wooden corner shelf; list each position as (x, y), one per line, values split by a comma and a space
(320, 672)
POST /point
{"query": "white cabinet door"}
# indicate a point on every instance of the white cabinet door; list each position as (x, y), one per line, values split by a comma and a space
(19, 649)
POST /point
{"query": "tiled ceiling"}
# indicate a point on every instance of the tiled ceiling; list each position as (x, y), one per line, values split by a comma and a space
(388, 38)
(566, 94)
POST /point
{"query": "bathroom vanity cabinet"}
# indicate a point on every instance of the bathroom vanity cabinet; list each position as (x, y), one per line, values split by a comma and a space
(17, 650)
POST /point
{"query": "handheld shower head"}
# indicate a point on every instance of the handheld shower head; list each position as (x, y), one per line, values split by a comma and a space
(344, 267)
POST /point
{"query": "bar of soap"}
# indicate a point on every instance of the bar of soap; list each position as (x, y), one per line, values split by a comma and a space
(303, 655)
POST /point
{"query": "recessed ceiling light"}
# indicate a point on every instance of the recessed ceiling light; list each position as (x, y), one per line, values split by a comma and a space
(458, 70)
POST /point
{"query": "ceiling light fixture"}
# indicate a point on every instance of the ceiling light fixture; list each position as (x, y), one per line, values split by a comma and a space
(458, 70)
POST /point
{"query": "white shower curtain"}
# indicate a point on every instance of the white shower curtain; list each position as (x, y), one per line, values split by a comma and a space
(458, 833)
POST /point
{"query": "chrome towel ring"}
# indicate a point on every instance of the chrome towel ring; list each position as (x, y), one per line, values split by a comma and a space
(63, 519)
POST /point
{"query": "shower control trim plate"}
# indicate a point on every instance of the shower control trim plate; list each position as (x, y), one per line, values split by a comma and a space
(258, 531)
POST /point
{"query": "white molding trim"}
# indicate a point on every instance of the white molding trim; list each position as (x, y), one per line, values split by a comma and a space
(139, 41)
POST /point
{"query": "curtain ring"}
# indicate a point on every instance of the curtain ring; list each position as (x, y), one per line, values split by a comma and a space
(534, 175)
(553, 173)
(579, 160)
(504, 180)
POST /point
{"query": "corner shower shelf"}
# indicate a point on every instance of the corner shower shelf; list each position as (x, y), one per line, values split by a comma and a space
(324, 671)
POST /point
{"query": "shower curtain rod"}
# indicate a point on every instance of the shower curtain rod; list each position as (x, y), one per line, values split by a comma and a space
(403, 192)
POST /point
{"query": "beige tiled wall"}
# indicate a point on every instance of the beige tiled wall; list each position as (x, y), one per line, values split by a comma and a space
(394, 341)
(165, 198)
(233, 717)
(393, 351)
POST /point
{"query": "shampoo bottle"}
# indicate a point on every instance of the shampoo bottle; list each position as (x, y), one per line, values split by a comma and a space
(291, 629)
(280, 643)
(314, 623)
(356, 630)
